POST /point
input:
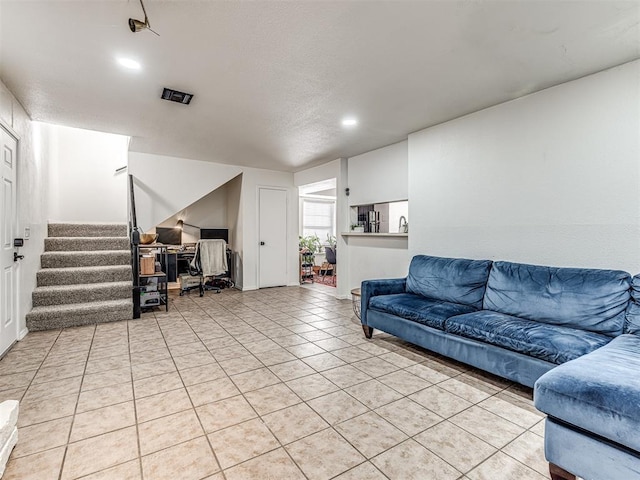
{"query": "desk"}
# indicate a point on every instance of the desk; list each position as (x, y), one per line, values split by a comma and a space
(177, 263)
(169, 266)
(184, 259)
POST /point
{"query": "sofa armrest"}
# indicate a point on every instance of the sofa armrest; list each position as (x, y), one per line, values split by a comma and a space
(372, 288)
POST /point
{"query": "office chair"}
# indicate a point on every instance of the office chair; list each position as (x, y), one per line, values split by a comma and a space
(331, 263)
(187, 281)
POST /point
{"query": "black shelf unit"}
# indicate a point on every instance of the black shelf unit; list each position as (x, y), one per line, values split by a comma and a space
(154, 282)
(306, 268)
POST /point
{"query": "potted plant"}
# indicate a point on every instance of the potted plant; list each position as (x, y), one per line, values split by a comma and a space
(331, 240)
(309, 244)
(357, 228)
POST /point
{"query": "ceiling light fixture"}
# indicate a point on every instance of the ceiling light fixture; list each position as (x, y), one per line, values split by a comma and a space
(129, 63)
(137, 25)
(349, 122)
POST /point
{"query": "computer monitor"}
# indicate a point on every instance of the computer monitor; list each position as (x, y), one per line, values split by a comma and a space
(214, 233)
(169, 236)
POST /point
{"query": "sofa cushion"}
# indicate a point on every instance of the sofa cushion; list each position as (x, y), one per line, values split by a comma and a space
(418, 309)
(587, 299)
(454, 280)
(632, 324)
(599, 392)
(540, 340)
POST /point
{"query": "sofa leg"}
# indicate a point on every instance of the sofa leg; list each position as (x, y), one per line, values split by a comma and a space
(368, 331)
(558, 473)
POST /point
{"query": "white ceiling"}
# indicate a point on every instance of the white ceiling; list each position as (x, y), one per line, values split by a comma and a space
(273, 79)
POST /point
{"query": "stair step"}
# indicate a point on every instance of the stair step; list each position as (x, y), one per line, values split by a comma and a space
(77, 314)
(78, 275)
(85, 259)
(87, 230)
(75, 244)
(91, 292)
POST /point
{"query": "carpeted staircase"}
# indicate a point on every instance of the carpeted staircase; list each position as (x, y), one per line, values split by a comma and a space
(85, 277)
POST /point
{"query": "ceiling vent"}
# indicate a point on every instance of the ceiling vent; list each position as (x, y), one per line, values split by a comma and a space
(176, 96)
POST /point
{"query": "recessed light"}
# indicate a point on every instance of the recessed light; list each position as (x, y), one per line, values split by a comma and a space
(129, 63)
(349, 122)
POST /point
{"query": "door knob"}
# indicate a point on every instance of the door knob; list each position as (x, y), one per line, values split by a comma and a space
(17, 257)
(261, 243)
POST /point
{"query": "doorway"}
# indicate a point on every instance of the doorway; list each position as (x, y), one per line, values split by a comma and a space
(8, 320)
(272, 234)
(317, 231)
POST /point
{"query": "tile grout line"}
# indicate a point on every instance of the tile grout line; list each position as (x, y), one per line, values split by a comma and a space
(41, 363)
(204, 431)
(135, 405)
(66, 448)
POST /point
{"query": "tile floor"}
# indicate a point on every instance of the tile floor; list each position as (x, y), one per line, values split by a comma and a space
(272, 384)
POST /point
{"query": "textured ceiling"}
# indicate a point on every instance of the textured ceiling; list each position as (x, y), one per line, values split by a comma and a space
(272, 79)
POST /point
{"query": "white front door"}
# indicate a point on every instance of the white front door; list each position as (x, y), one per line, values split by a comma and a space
(8, 321)
(272, 237)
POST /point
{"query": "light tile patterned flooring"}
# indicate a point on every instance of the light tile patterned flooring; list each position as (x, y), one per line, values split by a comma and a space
(272, 384)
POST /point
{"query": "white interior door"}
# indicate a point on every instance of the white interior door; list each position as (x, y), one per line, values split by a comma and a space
(272, 236)
(8, 321)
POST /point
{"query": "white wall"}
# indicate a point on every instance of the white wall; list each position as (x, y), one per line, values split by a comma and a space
(32, 196)
(344, 285)
(234, 224)
(317, 174)
(552, 178)
(252, 179)
(166, 185)
(376, 177)
(376, 257)
(379, 176)
(208, 212)
(84, 186)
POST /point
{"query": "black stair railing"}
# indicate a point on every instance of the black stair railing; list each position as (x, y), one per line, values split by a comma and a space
(134, 236)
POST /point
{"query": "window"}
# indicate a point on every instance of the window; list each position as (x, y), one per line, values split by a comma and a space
(318, 217)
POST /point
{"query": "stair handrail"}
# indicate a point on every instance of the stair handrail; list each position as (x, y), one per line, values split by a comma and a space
(133, 221)
(134, 236)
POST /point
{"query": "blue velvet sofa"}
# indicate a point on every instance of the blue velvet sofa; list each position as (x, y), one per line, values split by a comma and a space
(554, 328)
